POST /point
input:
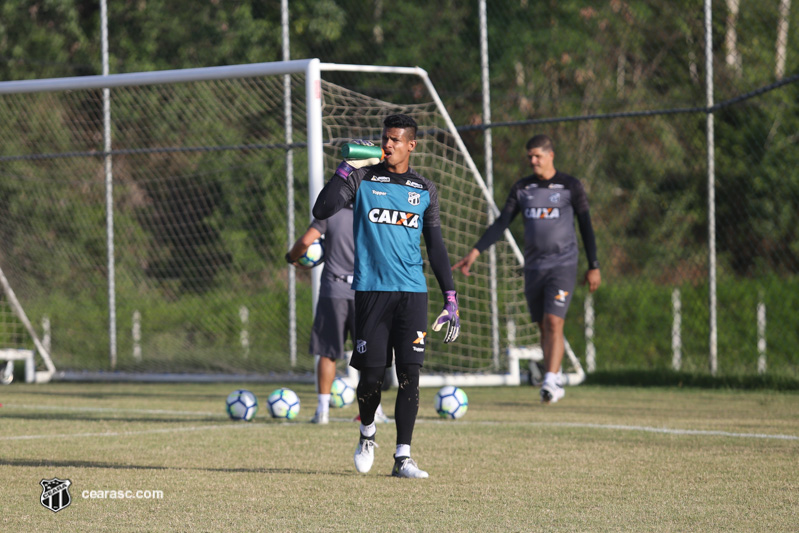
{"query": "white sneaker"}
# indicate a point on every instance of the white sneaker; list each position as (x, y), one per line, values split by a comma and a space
(406, 467)
(365, 455)
(551, 393)
(320, 418)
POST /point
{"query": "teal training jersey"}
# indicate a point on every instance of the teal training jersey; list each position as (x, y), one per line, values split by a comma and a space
(389, 213)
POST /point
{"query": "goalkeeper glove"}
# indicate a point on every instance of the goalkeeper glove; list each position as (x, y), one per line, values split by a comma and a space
(346, 167)
(450, 316)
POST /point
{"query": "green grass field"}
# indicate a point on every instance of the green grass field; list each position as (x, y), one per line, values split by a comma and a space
(603, 459)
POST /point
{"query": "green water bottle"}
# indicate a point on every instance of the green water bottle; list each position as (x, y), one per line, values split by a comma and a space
(360, 151)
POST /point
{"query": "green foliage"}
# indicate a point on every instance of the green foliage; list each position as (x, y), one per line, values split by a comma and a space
(758, 155)
(670, 378)
(51, 38)
(644, 342)
(646, 176)
(160, 35)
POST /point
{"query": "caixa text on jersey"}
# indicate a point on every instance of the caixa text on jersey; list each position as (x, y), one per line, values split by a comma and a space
(394, 217)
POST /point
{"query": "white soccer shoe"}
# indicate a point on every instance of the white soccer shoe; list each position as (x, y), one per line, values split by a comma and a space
(406, 467)
(551, 393)
(320, 418)
(365, 455)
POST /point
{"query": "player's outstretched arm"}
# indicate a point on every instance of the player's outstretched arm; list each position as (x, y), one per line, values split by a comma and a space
(466, 263)
(491, 235)
(350, 164)
(338, 192)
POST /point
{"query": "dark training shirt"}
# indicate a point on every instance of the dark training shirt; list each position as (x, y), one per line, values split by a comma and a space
(548, 208)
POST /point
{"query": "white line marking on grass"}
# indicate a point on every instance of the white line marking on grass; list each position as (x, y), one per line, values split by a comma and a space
(648, 429)
(112, 410)
(122, 433)
(668, 431)
(617, 427)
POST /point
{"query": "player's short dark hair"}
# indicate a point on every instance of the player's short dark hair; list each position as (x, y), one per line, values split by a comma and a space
(403, 122)
(541, 141)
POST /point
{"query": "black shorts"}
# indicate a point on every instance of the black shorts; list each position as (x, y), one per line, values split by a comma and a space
(335, 318)
(386, 321)
(549, 291)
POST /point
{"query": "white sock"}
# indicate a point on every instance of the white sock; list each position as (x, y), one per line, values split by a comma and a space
(379, 411)
(551, 378)
(324, 403)
(369, 431)
(403, 450)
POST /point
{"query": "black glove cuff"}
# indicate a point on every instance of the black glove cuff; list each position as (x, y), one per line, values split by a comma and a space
(288, 258)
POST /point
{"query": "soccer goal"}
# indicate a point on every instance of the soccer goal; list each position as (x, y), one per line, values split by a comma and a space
(19, 341)
(148, 221)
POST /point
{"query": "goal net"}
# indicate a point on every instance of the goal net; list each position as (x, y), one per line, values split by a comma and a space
(208, 180)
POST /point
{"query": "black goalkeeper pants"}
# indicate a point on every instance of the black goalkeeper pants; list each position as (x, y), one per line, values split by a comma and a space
(407, 406)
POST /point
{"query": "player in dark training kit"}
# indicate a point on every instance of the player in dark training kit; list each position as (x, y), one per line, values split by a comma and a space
(394, 207)
(548, 200)
(335, 309)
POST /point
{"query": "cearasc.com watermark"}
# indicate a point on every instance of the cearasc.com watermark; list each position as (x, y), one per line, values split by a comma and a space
(122, 494)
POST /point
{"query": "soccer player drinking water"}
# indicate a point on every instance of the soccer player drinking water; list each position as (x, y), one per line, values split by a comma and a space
(394, 206)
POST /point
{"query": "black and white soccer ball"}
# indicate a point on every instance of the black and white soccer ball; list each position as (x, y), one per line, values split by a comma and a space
(284, 403)
(451, 402)
(241, 405)
(341, 393)
(314, 255)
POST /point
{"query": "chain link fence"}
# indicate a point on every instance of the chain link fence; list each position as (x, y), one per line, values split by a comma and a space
(621, 87)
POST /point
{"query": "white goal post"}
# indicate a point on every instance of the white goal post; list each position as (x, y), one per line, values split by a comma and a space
(28, 356)
(515, 354)
(202, 212)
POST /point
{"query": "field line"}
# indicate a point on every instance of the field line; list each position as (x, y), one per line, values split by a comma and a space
(578, 425)
(113, 410)
(123, 433)
(619, 427)
(668, 431)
